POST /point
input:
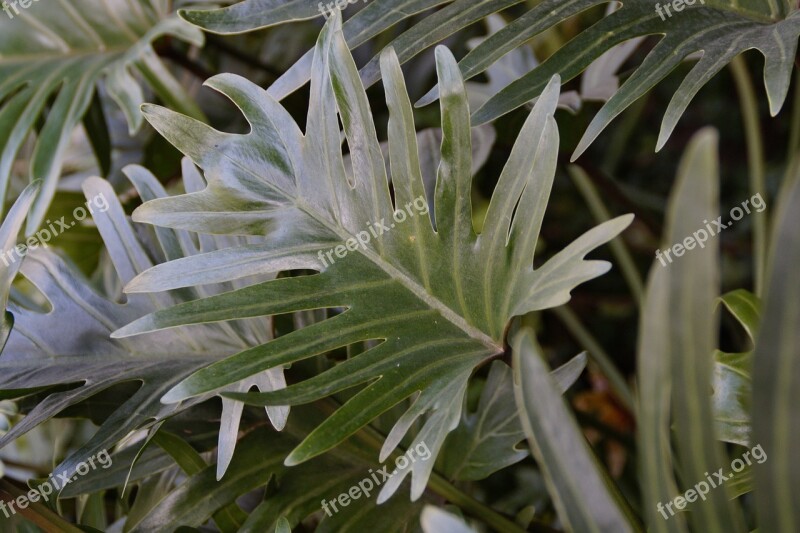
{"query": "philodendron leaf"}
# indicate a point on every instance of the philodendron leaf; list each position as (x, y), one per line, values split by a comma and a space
(60, 50)
(679, 333)
(656, 463)
(585, 498)
(192, 503)
(250, 14)
(73, 337)
(507, 69)
(436, 520)
(36, 513)
(693, 288)
(283, 526)
(732, 379)
(732, 382)
(745, 308)
(377, 16)
(776, 375)
(395, 516)
(435, 303)
(486, 441)
(9, 233)
(718, 29)
(731, 399)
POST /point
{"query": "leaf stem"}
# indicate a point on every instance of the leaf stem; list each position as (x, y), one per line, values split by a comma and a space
(472, 506)
(596, 352)
(793, 153)
(756, 166)
(601, 214)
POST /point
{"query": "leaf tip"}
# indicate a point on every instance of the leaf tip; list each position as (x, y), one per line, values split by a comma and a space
(176, 394)
(294, 458)
(626, 220)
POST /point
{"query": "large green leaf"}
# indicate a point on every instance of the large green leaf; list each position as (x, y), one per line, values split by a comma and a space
(376, 17)
(486, 441)
(436, 302)
(776, 375)
(60, 50)
(732, 379)
(655, 381)
(69, 344)
(36, 513)
(679, 332)
(251, 14)
(718, 29)
(434, 520)
(584, 496)
(194, 501)
(9, 233)
(731, 399)
(693, 289)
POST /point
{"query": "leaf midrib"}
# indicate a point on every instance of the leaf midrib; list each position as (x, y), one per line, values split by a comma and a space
(412, 285)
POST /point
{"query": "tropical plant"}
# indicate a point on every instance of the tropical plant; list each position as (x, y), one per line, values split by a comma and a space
(370, 321)
(52, 57)
(718, 29)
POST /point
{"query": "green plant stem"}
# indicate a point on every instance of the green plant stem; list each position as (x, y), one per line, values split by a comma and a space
(601, 214)
(596, 352)
(169, 89)
(472, 506)
(793, 152)
(756, 166)
(37, 513)
(620, 144)
(447, 490)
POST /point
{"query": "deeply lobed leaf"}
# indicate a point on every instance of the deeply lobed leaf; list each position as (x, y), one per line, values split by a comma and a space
(61, 50)
(431, 326)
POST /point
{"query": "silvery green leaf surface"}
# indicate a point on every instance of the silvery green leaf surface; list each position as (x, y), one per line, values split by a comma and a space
(62, 50)
(9, 235)
(487, 440)
(656, 461)
(676, 353)
(434, 520)
(73, 336)
(436, 303)
(507, 69)
(376, 17)
(745, 307)
(719, 30)
(694, 287)
(776, 375)
(251, 14)
(731, 399)
(283, 526)
(583, 494)
(732, 382)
